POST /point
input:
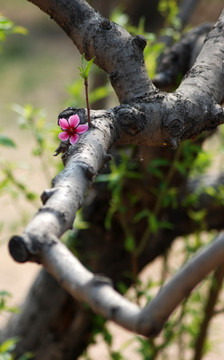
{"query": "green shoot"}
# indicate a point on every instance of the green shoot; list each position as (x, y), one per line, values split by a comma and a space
(84, 70)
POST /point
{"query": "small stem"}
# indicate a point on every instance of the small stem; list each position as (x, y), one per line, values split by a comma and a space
(87, 102)
(158, 204)
(213, 292)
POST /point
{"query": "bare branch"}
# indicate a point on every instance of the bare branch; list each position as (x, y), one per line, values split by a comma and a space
(111, 45)
(145, 116)
(180, 57)
(103, 299)
(207, 74)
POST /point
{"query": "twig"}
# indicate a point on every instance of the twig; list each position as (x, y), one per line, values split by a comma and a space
(87, 102)
(214, 291)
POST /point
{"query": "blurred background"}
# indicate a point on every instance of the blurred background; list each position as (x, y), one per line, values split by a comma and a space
(35, 69)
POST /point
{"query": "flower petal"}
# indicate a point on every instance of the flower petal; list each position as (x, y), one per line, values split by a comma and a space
(74, 139)
(74, 120)
(82, 128)
(63, 136)
(63, 123)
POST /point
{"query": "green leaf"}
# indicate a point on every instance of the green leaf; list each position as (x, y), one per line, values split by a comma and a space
(19, 30)
(116, 355)
(140, 215)
(153, 223)
(85, 68)
(129, 243)
(13, 310)
(166, 225)
(107, 337)
(89, 64)
(5, 293)
(6, 141)
(26, 356)
(8, 345)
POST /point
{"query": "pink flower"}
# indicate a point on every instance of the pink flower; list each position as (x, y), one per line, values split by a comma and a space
(71, 129)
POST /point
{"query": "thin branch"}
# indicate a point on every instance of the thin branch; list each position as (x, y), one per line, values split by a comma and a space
(87, 102)
(97, 291)
(213, 294)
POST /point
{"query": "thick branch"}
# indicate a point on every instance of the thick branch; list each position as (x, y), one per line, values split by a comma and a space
(111, 45)
(207, 74)
(180, 57)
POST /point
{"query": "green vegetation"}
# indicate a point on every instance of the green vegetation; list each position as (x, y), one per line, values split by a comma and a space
(8, 346)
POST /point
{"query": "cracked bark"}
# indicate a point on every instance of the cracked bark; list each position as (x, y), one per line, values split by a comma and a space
(145, 116)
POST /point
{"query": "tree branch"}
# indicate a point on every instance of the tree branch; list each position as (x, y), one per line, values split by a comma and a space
(97, 291)
(145, 116)
(180, 57)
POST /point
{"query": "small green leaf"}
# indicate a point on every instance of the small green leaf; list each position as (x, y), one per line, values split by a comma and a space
(153, 223)
(85, 68)
(8, 345)
(88, 66)
(140, 215)
(129, 243)
(166, 225)
(6, 141)
(5, 293)
(107, 337)
(26, 356)
(19, 30)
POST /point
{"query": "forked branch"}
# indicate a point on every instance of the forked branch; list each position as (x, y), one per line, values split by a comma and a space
(145, 116)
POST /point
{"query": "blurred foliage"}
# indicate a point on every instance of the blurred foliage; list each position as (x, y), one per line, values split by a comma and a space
(8, 27)
(8, 346)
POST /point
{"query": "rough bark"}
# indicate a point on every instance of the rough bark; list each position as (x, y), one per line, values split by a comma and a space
(51, 324)
(180, 58)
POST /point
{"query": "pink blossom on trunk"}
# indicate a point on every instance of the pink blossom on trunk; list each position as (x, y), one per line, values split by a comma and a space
(71, 129)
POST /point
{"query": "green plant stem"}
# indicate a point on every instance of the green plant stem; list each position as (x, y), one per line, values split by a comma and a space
(181, 335)
(158, 204)
(45, 167)
(87, 102)
(214, 291)
(134, 262)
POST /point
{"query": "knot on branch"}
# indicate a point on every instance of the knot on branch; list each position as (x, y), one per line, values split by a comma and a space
(18, 249)
(71, 111)
(89, 170)
(174, 129)
(217, 116)
(105, 24)
(99, 280)
(149, 330)
(131, 119)
(140, 41)
(46, 195)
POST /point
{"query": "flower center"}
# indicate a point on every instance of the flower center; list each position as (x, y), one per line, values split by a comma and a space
(71, 130)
